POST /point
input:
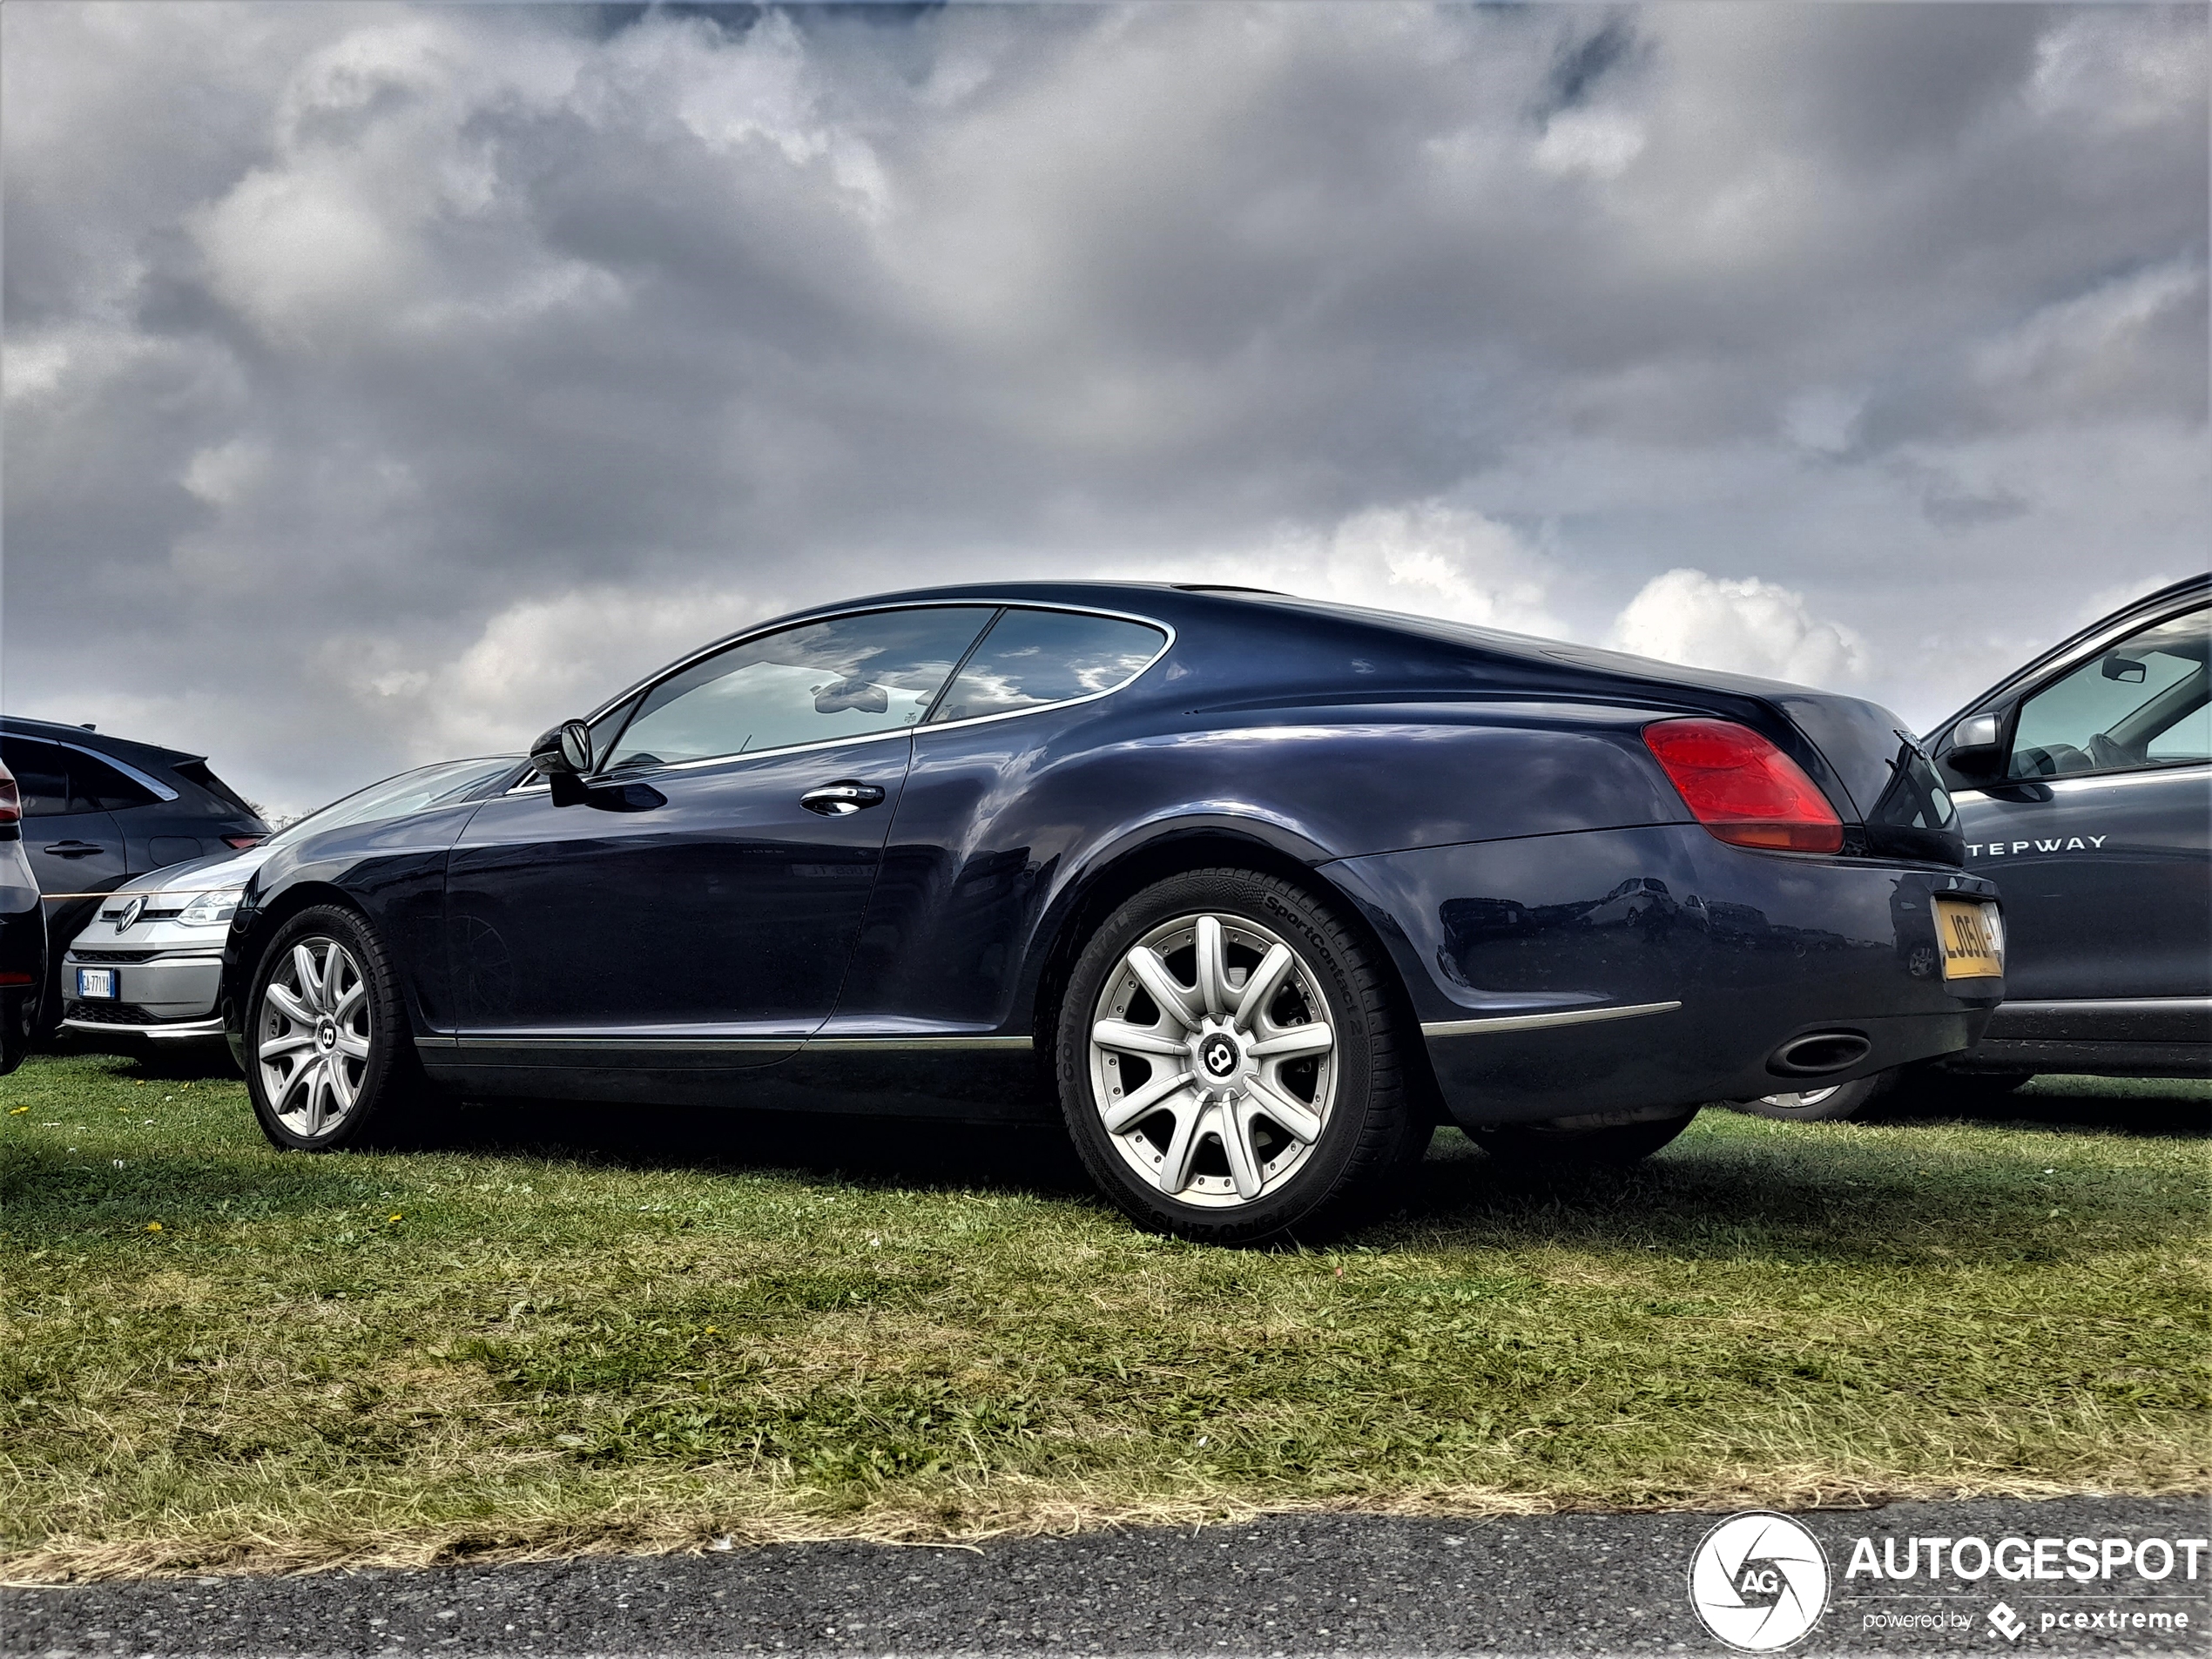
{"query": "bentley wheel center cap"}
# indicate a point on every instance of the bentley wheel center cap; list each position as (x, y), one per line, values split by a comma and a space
(1217, 1058)
(326, 1036)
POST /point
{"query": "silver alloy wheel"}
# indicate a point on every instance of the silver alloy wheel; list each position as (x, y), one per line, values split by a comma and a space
(312, 1038)
(1213, 1060)
(1799, 1101)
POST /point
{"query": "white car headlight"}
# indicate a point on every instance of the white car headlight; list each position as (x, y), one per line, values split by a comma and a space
(211, 909)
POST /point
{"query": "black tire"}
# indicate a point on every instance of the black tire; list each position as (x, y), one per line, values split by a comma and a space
(18, 1023)
(385, 1082)
(1933, 1085)
(1368, 1129)
(1547, 1146)
(1827, 1105)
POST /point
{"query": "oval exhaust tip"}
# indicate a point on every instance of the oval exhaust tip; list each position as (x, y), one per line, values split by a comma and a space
(1818, 1053)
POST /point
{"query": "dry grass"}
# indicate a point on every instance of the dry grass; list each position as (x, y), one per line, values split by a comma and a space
(560, 1334)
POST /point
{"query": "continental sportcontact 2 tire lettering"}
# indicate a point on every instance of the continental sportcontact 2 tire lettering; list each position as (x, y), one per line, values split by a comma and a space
(1228, 1062)
(329, 1060)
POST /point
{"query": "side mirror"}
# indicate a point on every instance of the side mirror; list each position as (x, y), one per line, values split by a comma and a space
(563, 756)
(2128, 670)
(1977, 744)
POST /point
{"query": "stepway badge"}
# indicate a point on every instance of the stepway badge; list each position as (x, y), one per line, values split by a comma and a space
(1759, 1581)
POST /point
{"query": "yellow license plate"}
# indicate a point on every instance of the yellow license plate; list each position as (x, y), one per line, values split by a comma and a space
(1970, 934)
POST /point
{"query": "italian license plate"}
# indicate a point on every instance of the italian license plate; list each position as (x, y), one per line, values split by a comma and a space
(96, 984)
(1972, 937)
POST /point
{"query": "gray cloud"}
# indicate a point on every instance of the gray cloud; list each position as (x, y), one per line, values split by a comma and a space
(383, 382)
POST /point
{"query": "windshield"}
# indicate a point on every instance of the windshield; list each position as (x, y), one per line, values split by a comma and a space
(411, 792)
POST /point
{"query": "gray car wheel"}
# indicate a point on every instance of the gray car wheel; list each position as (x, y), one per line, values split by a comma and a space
(329, 1060)
(1228, 1062)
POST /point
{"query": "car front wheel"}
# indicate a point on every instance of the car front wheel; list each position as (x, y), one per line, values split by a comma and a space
(330, 1063)
(1228, 1063)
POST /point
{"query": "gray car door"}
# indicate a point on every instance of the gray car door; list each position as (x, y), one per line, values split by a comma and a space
(74, 847)
(2097, 835)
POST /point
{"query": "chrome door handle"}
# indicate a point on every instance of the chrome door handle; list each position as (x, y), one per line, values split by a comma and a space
(837, 800)
(73, 849)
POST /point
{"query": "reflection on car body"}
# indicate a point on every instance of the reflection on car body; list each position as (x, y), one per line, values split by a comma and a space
(148, 965)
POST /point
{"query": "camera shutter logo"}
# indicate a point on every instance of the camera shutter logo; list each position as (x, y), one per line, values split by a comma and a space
(1759, 1581)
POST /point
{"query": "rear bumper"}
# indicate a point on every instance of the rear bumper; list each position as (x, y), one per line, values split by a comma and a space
(1642, 970)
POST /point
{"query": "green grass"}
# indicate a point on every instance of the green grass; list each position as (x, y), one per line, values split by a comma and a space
(574, 1329)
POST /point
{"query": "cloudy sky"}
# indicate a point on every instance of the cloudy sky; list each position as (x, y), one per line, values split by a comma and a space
(383, 382)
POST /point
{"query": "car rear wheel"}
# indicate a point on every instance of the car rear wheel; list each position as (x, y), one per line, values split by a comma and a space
(1228, 1063)
(1826, 1105)
(329, 1063)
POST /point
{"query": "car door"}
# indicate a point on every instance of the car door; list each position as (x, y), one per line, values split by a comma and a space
(75, 845)
(2097, 832)
(700, 908)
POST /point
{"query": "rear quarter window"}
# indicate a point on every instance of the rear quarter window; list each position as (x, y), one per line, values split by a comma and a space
(1032, 657)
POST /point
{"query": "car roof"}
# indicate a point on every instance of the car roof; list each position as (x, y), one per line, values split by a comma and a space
(1182, 605)
(100, 742)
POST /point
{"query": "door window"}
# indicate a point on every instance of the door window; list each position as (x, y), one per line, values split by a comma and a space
(2139, 703)
(847, 678)
(41, 773)
(1031, 657)
(95, 786)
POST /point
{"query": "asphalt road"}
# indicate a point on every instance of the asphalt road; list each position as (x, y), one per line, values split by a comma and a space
(1304, 1584)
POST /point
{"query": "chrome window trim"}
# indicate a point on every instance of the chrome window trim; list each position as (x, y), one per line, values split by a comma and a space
(996, 606)
(123, 767)
(2074, 783)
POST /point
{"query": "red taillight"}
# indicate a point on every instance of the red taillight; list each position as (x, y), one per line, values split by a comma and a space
(18, 979)
(239, 843)
(10, 799)
(1742, 788)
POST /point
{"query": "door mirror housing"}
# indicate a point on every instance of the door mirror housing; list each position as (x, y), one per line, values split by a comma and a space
(563, 756)
(1977, 744)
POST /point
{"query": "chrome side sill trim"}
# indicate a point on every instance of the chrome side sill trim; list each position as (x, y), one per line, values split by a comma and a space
(637, 1045)
(732, 1045)
(1537, 1022)
(886, 1043)
(2113, 1005)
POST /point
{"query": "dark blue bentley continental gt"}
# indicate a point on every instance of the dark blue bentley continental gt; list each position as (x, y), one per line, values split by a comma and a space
(1260, 890)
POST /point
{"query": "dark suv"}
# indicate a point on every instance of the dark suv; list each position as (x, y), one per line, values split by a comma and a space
(98, 810)
(2084, 788)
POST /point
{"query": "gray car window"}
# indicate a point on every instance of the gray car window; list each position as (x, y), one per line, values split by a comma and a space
(95, 786)
(41, 775)
(2140, 703)
(845, 677)
(1031, 657)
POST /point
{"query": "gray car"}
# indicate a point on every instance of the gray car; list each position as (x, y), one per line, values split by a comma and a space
(2084, 787)
(149, 963)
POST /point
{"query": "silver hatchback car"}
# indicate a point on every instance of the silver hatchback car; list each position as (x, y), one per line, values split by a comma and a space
(149, 964)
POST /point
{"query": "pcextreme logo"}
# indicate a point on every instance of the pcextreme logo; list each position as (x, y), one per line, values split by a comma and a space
(1759, 1581)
